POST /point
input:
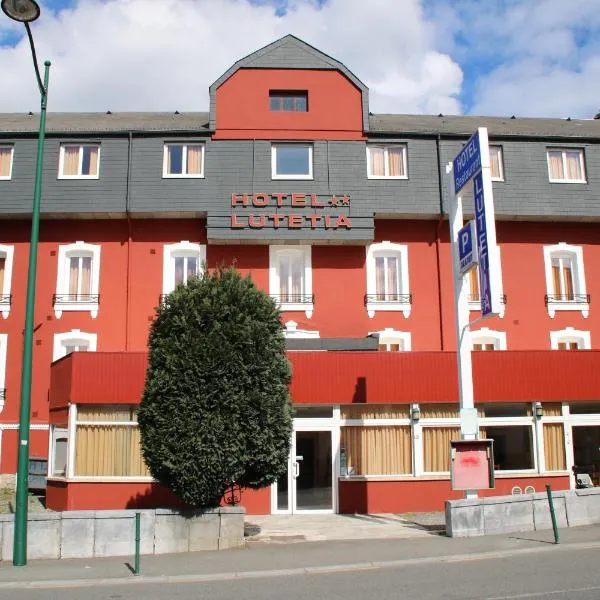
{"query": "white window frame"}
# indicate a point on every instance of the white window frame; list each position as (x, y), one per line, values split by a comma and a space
(386, 161)
(7, 252)
(489, 336)
(500, 161)
(183, 174)
(393, 336)
(475, 305)
(575, 253)
(75, 337)
(61, 161)
(387, 248)
(291, 331)
(55, 434)
(564, 161)
(275, 253)
(568, 335)
(181, 249)
(274, 147)
(65, 252)
(3, 353)
(10, 164)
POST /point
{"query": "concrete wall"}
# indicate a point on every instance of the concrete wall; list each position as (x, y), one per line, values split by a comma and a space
(527, 512)
(85, 534)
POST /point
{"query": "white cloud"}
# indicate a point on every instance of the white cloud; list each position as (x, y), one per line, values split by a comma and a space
(163, 54)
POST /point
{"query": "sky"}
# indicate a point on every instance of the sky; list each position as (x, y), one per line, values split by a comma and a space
(479, 57)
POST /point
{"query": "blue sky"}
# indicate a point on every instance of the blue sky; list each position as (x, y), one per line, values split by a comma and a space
(499, 57)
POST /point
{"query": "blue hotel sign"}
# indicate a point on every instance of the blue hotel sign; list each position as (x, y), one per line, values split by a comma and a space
(467, 247)
(467, 163)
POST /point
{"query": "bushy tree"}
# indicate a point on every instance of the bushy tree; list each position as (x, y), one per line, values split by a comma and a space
(216, 407)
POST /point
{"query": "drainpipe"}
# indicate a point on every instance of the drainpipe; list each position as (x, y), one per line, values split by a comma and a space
(438, 228)
(128, 215)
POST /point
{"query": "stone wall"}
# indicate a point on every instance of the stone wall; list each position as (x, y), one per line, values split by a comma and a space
(83, 534)
(526, 512)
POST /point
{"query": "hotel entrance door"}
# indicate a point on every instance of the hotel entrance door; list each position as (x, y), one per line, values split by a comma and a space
(307, 487)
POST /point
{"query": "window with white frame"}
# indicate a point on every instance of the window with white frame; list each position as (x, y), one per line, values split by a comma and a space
(180, 262)
(6, 161)
(473, 293)
(566, 165)
(391, 340)
(79, 161)
(565, 279)
(6, 266)
(387, 278)
(292, 161)
(570, 339)
(183, 160)
(488, 339)
(386, 161)
(3, 352)
(78, 279)
(73, 341)
(290, 278)
(59, 451)
(496, 163)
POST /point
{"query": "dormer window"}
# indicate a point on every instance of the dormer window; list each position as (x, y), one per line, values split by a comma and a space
(288, 101)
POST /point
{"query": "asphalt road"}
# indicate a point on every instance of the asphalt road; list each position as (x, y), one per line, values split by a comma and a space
(556, 575)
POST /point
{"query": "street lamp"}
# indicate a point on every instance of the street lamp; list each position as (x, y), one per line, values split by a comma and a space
(25, 11)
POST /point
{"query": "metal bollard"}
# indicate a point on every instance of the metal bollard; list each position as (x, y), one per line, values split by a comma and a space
(552, 513)
(136, 568)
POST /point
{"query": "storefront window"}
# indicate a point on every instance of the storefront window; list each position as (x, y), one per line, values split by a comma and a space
(513, 446)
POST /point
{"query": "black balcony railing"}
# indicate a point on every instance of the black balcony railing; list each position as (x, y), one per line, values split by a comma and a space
(6, 299)
(477, 298)
(389, 298)
(2, 394)
(58, 299)
(568, 298)
(293, 298)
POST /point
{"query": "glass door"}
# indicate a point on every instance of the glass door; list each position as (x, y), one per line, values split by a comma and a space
(308, 485)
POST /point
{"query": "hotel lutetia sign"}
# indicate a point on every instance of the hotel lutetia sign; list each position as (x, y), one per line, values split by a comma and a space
(290, 211)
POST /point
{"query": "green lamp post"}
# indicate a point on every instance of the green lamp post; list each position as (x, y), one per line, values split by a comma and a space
(25, 11)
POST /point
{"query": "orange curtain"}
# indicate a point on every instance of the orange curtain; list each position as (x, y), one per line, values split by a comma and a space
(474, 281)
(568, 274)
(71, 160)
(380, 277)
(439, 411)
(554, 447)
(436, 447)
(194, 160)
(86, 277)
(495, 153)
(5, 160)
(375, 411)
(395, 156)
(392, 277)
(93, 150)
(377, 158)
(556, 165)
(556, 277)
(574, 166)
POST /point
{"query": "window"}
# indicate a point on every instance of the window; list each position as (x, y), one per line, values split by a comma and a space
(496, 163)
(513, 446)
(6, 264)
(566, 165)
(291, 161)
(6, 160)
(59, 454)
(387, 278)
(487, 339)
(107, 442)
(180, 262)
(387, 162)
(78, 279)
(183, 160)
(290, 278)
(3, 351)
(570, 339)
(473, 293)
(565, 279)
(79, 161)
(391, 340)
(73, 341)
(288, 101)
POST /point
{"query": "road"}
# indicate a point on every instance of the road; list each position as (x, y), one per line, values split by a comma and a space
(547, 571)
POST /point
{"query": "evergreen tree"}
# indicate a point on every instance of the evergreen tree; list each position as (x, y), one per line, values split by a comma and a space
(216, 409)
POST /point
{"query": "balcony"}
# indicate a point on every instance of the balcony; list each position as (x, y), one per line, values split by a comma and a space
(295, 302)
(388, 302)
(76, 302)
(575, 302)
(5, 303)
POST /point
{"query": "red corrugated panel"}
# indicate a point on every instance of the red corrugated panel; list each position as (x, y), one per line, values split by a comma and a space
(357, 377)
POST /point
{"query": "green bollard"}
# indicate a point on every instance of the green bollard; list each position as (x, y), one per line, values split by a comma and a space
(552, 513)
(136, 568)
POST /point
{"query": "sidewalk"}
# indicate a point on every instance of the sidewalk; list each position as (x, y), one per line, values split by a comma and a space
(280, 559)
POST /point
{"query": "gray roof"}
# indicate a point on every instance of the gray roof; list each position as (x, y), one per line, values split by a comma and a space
(106, 122)
(497, 126)
(197, 122)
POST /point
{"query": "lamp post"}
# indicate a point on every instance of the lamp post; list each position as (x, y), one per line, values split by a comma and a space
(25, 11)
